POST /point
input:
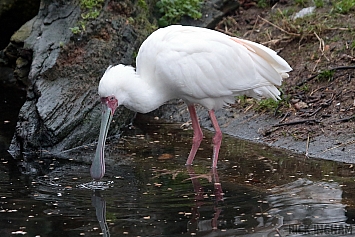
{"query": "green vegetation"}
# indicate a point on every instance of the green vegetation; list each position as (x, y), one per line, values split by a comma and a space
(91, 4)
(143, 4)
(344, 6)
(173, 10)
(308, 27)
(304, 88)
(263, 105)
(242, 99)
(141, 19)
(75, 30)
(90, 10)
(263, 3)
(319, 3)
(302, 3)
(268, 104)
(326, 75)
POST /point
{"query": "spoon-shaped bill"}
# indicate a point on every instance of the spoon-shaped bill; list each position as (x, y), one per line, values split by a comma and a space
(97, 169)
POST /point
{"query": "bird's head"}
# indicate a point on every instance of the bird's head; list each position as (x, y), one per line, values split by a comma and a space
(112, 94)
(113, 84)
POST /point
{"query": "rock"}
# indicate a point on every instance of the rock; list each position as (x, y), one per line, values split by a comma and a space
(212, 12)
(22, 69)
(300, 105)
(23, 33)
(62, 110)
(13, 14)
(14, 54)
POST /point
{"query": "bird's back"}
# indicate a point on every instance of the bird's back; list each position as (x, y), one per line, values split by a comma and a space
(208, 67)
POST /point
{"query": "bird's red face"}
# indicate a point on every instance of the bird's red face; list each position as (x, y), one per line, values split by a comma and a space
(109, 105)
(110, 102)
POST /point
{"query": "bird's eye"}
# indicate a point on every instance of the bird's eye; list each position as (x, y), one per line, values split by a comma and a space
(110, 98)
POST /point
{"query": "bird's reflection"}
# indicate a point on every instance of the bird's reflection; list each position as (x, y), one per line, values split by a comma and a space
(212, 227)
(212, 201)
(195, 224)
(99, 203)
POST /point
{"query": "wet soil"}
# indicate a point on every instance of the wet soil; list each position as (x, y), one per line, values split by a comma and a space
(316, 114)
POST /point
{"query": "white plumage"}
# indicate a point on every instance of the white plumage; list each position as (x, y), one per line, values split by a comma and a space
(198, 65)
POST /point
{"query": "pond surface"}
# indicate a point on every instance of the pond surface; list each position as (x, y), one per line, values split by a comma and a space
(148, 191)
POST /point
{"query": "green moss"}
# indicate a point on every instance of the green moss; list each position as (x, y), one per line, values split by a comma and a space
(90, 10)
(91, 4)
(173, 10)
(263, 3)
(344, 6)
(143, 19)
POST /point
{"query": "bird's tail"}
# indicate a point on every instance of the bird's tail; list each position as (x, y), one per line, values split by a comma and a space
(262, 92)
(271, 69)
(269, 55)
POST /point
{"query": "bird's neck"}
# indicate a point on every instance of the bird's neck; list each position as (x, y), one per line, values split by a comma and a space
(143, 95)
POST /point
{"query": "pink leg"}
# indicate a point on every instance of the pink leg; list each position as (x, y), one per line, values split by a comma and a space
(217, 139)
(196, 141)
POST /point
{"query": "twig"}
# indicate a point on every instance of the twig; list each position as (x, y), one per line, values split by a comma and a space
(248, 108)
(284, 117)
(340, 28)
(321, 45)
(316, 111)
(346, 119)
(314, 91)
(315, 66)
(343, 144)
(307, 146)
(307, 80)
(296, 122)
(343, 68)
(276, 26)
(325, 104)
(321, 42)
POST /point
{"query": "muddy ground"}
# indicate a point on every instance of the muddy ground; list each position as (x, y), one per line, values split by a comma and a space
(316, 114)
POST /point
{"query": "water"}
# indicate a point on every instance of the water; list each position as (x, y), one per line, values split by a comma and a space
(147, 191)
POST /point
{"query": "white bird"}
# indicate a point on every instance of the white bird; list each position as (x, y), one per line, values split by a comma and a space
(198, 65)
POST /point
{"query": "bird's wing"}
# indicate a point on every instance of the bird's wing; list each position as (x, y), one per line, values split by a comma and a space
(202, 63)
(267, 54)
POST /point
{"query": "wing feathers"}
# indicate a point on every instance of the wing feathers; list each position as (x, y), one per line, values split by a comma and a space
(207, 67)
(267, 54)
